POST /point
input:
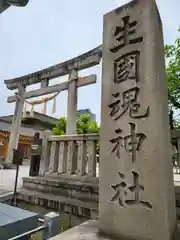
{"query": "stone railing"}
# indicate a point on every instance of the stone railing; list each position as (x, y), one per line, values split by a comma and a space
(70, 154)
(76, 154)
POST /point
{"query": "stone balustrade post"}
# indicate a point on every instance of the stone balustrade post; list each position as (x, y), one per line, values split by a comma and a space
(45, 155)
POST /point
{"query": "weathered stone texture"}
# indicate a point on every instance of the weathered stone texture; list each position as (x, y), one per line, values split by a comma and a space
(85, 231)
(136, 180)
(69, 195)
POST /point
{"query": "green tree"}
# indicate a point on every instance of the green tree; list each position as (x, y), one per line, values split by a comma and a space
(60, 128)
(172, 54)
(84, 125)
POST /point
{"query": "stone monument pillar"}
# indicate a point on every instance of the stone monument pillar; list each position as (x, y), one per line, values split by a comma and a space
(136, 180)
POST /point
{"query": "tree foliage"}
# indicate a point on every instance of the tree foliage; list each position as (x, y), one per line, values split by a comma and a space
(172, 54)
(60, 128)
(84, 125)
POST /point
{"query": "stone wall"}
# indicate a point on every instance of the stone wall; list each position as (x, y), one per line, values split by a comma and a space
(70, 196)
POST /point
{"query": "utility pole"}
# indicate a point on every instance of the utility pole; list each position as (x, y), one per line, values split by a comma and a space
(5, 4)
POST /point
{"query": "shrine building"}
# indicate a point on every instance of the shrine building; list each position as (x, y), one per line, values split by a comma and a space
(29, 126)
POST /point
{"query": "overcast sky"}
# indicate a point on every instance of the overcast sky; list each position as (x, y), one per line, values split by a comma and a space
(47, 32)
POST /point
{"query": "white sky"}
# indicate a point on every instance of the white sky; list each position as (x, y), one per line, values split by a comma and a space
(47, 32)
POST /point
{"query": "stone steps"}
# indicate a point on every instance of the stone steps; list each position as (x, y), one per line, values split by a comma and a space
(70, 179)
(63, 186)
(70, 194)
(59, 203)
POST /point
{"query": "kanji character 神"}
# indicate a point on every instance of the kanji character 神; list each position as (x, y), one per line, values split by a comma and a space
(130, 143)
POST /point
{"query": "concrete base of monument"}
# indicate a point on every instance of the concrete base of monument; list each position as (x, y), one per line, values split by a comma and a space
(89, 231)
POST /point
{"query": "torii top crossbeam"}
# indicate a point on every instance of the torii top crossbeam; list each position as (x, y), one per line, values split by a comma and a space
(86, 60)
(4, 4)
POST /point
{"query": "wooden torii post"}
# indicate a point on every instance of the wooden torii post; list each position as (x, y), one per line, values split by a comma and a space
(70, 67)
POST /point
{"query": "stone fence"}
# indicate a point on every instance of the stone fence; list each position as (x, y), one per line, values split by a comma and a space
(70, 154)
(77, 154)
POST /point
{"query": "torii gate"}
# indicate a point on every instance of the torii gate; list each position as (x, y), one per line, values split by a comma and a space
(70, 67)
(4, 4)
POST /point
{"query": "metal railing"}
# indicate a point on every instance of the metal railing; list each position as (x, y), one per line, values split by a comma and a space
(29, 233)
(49, 228)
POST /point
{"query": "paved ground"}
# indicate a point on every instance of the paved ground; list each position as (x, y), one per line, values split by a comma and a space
(7, 178)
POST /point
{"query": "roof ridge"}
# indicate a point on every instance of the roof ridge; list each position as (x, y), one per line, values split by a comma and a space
(37, 113)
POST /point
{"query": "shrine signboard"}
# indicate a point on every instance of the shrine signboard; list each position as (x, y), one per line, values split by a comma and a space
(136, 180)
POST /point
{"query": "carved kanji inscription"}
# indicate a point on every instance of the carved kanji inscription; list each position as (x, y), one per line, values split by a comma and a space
(125, 34)
(127, 102)
(126, 67)
(122, 190)
(131, 143)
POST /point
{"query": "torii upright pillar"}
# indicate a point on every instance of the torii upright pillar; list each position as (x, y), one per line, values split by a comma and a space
(13, 142)
(16, 123)
(72, 103)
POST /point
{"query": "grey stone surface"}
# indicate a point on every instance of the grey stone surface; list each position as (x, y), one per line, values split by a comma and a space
(64, 188)
(74, 189)
(52, 221)
(17, 3)
(72, 102)
(45, 159)
(86, 60)
(15, 221)
(3, 192)
(85, 231)
(74, 206)
(6, 196)
(16, 123)
(136, 180)
(5, 4)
